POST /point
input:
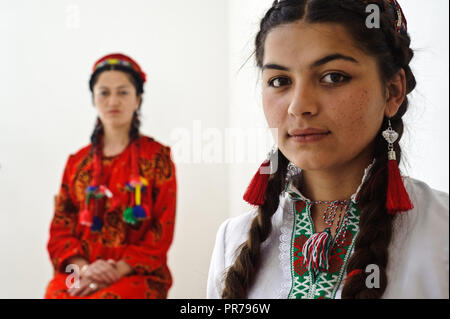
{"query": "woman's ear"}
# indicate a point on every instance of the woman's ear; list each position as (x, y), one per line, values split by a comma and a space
(395, 93)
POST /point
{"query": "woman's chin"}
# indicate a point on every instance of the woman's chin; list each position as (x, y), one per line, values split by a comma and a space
(115, 123)
(310, 163)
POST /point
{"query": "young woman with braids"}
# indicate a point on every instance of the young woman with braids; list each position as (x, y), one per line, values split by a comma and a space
(334, 219)
(114, 214)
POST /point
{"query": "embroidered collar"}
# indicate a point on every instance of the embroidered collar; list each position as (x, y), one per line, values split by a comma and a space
(295, 194)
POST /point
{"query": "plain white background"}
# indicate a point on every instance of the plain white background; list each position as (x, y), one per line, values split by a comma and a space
(194, 53)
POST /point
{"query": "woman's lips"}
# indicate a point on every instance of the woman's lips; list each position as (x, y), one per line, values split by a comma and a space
(309, 138)
(114, 112)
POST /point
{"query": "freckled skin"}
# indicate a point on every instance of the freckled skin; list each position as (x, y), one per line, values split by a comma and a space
(353, 111)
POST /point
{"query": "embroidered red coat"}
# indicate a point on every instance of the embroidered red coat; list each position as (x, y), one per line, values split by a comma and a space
(143, 246)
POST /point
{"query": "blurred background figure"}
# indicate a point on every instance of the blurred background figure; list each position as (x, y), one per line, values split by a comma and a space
(115, 212)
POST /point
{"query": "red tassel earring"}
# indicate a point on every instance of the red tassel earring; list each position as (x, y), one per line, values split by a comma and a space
(397, 199)
(256, 190)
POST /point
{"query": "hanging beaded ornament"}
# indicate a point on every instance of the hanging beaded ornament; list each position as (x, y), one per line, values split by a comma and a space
(317, 248)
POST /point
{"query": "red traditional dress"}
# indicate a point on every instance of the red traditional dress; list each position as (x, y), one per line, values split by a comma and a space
(143, 246)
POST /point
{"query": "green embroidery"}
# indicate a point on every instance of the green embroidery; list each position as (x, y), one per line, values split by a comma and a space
(326, 284)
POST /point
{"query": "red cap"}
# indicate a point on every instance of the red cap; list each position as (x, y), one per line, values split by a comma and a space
(119, 59)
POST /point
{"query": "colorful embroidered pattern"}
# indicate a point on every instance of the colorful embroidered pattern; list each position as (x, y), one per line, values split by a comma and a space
(326, 284)
(143, 246)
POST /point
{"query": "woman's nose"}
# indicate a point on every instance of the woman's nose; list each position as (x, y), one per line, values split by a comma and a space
(303, 101)
(113, 100)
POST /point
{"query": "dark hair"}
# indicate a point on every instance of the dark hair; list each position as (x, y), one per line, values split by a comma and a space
(392, 52)
(137, 82)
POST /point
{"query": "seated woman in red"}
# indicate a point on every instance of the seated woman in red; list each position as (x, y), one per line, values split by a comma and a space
(114, 214)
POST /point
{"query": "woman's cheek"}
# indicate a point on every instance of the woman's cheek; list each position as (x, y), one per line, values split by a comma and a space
(273, 111)
(353, 123)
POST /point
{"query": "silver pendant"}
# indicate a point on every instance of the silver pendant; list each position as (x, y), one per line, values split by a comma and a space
(390, 135)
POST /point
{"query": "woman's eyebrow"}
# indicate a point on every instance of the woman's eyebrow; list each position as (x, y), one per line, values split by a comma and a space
(322, 61)
(275, 67)
(124, 86)
(332, 57)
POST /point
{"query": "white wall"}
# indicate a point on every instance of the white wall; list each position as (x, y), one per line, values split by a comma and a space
(426, 140)
(192, 52)
(245, 109)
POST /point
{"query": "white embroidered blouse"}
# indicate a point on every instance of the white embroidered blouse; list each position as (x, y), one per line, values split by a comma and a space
(418, 252)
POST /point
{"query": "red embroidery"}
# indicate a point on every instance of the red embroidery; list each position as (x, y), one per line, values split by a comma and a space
(338, 254)
(299, 206)
(298, 262)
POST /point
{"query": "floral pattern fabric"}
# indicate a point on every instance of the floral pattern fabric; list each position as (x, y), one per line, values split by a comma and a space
(143, 246)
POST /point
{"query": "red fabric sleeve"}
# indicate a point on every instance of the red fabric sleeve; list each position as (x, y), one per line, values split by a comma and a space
(62, 243)
(150, 253)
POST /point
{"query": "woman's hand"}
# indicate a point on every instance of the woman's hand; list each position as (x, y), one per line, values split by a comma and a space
(98, 275)
(101, 271)
(76, 260)
(86, 288)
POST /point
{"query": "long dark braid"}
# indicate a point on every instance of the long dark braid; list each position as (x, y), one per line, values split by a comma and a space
(392, 52)
(375, 226)
(240, 275)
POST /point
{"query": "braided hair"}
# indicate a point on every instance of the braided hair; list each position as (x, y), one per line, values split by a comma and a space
(392, 52)
(137, 82)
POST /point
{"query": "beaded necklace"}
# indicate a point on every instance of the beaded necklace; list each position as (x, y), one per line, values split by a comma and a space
(316, 250)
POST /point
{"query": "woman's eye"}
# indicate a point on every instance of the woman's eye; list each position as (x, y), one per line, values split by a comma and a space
(335, 78)
(123, 93)
(279, 82)
(103, 93)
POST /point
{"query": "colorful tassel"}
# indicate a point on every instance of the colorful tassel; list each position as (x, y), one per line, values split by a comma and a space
(90, 216)
(397, 198)
(128, 216)
(137, 185)
(86, 218)
(137, 192)
(139, 212)
(91, 190)
(256, 191)
(135, 212)
(96, 224)
(86, 215)
(316, 250)
(105, 191)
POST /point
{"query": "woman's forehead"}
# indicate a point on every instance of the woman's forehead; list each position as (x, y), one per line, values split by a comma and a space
(306, 42)
(113, 78)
